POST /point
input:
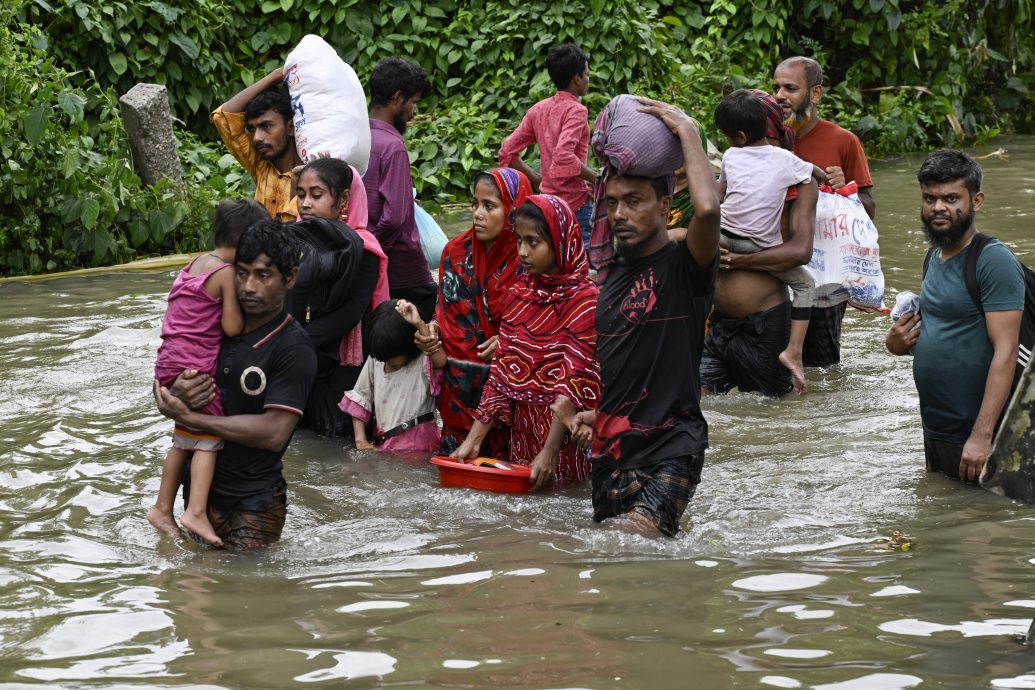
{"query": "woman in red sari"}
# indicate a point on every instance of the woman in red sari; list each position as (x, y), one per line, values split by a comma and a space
(477, 269)
(545, 369)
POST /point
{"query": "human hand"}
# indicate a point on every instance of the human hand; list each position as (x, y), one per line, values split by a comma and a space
(821, 175)
(194, 389)
(408, 310)
(429, 343)
(835, 177)
(728, 261)
(168, 404)
(544, 469)
(467, 450)
(581, 427)
(675, 119)
(363, 444)
(975, 454)
(487, 350)
(902, 336)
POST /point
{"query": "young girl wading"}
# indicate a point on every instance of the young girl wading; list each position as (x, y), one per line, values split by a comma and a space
(544, 371)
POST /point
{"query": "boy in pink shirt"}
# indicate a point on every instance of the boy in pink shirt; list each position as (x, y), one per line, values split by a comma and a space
(560, 126)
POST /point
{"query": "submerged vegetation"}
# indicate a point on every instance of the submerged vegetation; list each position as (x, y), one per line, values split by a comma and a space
(903, 75)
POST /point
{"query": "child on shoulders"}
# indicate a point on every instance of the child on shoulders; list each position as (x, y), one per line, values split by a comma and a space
(560, 126)
(398, 383)
(753, 186)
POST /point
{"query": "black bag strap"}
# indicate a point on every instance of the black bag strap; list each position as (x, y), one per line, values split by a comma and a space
(978, 243)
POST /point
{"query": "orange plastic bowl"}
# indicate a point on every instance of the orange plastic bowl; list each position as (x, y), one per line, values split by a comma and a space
(456, 473)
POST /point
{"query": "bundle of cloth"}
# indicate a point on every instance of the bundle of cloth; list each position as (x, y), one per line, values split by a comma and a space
(627, 142)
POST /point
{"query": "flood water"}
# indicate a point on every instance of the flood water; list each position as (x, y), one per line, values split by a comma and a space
(384, 579)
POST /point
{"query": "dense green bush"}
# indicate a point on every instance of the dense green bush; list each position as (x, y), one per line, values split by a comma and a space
(903, 75)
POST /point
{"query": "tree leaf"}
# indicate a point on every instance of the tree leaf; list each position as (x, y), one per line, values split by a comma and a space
(186, 44)
(35, 123)
(91, 210)
(73, 104)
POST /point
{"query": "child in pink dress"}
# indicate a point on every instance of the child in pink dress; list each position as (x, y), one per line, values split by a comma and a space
(202, 308)
(398, 383)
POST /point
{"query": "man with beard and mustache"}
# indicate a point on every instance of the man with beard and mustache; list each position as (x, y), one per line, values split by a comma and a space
(798, 87)
(649, 435)
(396, 85)
(964, 360)
(257, 127)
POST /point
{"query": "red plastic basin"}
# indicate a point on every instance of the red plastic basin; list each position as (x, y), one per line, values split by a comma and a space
(456, 473)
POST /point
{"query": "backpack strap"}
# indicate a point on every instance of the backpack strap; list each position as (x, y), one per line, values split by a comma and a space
(970, 268)
(927, 262)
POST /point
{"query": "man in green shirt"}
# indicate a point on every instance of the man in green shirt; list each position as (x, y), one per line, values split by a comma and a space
(964, 359)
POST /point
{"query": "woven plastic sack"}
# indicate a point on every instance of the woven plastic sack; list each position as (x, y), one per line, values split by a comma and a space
(330, 107)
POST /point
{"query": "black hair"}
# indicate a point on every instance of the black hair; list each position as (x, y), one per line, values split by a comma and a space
(333, 172)
(389, 335)
(742, 111)
(484, 177)
(394, 74)
(950, 165)
(813, 70)
(534, 215)
(269, 237)
(233, 217)
(564, 63)
(274, 99)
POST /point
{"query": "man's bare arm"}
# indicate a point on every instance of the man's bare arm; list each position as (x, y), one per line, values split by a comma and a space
(868, 202)
(239, 101)
(797, 250)
(521, 166)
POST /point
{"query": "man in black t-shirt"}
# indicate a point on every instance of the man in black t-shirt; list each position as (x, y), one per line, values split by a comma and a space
(264, 376)
(649, 435)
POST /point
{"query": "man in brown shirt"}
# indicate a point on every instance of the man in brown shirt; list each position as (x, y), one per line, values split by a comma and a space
(257, 127)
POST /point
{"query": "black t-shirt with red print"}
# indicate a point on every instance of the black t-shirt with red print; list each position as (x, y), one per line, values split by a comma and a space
(650, 327)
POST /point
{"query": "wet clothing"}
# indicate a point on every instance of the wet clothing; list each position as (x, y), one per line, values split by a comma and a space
(943, 456)
(560, 126)
(192, 331)
(546, 348)
(953, 352)
(395, 398)
(390, 218)
(650, 325)
(825, 146)
(273, 188)
(247, 530)
(473, 283)
(743, 353)
(271, 367)
(659, 492)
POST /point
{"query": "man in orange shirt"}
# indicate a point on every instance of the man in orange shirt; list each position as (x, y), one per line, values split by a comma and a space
(798, 87)
(258, 128)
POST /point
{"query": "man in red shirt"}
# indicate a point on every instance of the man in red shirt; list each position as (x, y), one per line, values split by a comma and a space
(560, 126)
(798, 87)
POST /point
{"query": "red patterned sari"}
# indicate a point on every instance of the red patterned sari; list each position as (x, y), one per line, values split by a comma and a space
(473, 283)
(547, 348)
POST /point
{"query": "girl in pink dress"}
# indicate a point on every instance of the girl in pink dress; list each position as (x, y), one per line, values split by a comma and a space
(398, 383)
(202, 308)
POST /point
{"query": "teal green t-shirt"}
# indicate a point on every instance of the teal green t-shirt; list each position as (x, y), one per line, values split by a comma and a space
(953, 352)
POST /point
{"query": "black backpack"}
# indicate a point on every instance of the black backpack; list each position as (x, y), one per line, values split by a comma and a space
(330, 254)
(1026, 341)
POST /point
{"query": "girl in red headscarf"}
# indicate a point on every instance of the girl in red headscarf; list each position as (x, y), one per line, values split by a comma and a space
(545, 368)
(477, 269)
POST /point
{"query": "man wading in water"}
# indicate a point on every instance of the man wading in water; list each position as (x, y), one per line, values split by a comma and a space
(264, 376)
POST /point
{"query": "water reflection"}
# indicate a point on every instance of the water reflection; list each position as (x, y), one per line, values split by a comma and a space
(384, 578)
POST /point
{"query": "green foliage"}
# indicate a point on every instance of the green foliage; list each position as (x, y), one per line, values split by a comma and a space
(70, 196)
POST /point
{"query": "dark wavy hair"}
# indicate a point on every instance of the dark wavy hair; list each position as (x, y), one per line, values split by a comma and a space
(269, 237)
(394, 74)
(233, 217)
(742, 111)
(949, 165)
(389, 335)
(275, 99)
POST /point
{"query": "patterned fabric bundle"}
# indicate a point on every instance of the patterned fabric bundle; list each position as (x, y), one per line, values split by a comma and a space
(473, 283)
(627, 142)
(775, 127)
(547, 347)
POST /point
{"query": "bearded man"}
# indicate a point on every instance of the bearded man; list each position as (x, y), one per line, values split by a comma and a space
(964, 360)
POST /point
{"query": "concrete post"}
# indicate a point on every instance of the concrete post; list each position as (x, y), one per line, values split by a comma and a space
(148, 122)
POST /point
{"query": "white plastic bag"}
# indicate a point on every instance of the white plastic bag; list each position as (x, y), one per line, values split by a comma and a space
(329, 104)
(845, 255)
(432, 239)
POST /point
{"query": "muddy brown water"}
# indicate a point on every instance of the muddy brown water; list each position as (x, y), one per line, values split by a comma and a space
(384, 579)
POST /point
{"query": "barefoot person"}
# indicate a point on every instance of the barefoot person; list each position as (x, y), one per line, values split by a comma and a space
(649, 433)
(202, 309)
(263, 377)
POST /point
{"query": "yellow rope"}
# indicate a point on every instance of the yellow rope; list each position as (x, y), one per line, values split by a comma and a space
(152, 264)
